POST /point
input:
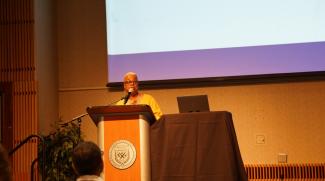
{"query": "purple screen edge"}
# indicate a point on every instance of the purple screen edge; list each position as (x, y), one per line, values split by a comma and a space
(221, 62)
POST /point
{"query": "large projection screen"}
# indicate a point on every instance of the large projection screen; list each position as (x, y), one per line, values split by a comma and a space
(191, 40)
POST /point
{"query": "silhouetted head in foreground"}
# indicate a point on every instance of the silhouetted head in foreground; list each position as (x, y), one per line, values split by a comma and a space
(87, 159)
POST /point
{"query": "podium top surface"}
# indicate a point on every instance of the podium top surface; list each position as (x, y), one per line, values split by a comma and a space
(96, 112)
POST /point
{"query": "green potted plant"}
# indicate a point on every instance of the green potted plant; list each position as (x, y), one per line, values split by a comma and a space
(58, 150)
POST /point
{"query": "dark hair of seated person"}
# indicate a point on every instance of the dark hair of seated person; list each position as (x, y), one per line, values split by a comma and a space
(5, 171)
(87, 159)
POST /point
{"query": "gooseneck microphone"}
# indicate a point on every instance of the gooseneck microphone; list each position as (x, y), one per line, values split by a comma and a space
(126, 98)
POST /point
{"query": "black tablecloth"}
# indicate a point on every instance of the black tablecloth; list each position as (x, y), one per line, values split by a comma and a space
(195, 146)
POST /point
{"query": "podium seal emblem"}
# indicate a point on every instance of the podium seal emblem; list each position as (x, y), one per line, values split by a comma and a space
(122, 154)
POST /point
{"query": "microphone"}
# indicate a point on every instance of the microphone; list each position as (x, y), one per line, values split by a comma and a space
(126, 98)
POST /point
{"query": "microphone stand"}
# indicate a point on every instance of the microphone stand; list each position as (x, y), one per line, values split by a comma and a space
(79, 120)
(125, 98)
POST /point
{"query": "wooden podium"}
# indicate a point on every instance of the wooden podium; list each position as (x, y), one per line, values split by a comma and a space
(123, 136)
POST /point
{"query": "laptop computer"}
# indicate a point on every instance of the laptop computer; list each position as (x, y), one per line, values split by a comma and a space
(195, 103)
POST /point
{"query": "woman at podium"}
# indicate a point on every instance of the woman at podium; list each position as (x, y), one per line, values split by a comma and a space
(131, 87)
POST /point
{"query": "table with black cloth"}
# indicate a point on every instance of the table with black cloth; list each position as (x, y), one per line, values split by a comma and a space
(195, 146)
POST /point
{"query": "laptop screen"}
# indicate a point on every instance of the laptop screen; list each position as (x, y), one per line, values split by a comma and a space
(195, 103)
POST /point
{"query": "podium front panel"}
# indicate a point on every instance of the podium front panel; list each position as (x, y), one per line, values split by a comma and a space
(115, 136)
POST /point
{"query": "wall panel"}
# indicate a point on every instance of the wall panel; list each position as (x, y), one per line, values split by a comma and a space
(17, 67)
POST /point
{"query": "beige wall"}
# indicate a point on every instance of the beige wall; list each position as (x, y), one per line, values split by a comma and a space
(46, 64)
(290, 115)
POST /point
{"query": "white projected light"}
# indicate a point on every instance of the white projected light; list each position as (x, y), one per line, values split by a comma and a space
(169, 25)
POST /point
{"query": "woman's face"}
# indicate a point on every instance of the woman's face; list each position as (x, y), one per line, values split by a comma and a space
(131, 82)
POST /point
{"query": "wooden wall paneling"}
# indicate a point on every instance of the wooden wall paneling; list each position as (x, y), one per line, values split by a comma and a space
(18, 69)
(25, 96)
